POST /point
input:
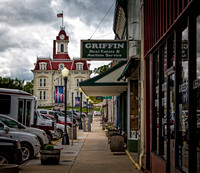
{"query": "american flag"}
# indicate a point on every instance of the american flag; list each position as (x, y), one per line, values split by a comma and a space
(58, 94)
(77, 101)
(60, 15)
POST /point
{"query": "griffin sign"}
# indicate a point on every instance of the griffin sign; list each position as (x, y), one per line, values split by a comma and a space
(104, 49)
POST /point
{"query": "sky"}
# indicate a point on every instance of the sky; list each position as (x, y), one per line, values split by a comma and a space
(28, 28)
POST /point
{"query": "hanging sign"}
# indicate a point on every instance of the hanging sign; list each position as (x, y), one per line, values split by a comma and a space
(104, 49)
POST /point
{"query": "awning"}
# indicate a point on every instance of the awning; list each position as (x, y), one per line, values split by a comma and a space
(131, 67)
(106, 84)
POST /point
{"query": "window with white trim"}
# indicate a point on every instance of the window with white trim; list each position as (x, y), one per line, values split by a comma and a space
(40, 95)
(79, 66)
(44, 95)
(44, 82)
(43, 66)
(40, 82)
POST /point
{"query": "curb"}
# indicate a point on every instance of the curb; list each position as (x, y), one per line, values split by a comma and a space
(137, 166)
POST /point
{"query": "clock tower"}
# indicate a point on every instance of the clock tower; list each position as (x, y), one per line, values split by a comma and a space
(60, 46)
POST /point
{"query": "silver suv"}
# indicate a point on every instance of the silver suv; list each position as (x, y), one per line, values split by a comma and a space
(30, 144)
(13, 124)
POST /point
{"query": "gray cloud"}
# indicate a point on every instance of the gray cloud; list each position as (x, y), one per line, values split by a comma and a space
(28, 28)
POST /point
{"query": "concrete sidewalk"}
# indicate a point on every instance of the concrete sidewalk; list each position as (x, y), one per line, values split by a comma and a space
(89, 153)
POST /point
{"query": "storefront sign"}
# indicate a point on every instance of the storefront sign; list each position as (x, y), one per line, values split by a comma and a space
(104, 49)
(107, 97)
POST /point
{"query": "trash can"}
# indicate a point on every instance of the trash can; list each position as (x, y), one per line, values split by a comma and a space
(86, 124)
(74, 132)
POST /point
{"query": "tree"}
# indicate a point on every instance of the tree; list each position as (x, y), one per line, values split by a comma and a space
(16, 84)
(29, 87)
(101, 69)
(11, 83)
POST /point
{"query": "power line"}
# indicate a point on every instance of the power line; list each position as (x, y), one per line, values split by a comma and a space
(104, 35)
(102, 19)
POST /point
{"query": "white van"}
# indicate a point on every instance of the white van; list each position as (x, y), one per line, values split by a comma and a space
(22, 107)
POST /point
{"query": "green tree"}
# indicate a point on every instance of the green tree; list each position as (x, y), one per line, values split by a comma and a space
(101, 69)
(11, 83)
(29, 87)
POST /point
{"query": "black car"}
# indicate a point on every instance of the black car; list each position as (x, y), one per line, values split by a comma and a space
(10, 151)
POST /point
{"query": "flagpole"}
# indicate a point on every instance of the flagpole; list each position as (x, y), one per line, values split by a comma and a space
(62, 19)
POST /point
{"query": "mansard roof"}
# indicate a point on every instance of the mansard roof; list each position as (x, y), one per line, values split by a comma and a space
(54, 64)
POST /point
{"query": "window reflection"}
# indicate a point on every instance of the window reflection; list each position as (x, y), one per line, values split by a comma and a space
(198, 92)
(183, 105)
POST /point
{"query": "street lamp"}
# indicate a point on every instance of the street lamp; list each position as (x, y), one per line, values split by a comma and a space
(87, 104)
(80, 123)
(65, 139)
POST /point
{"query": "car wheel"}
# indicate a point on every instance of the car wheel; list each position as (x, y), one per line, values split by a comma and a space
(26, 152)
(59, 133)
(3, 159)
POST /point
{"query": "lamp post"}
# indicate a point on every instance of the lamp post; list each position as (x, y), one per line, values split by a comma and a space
(87, 105)
(80, 123)
(65, 139)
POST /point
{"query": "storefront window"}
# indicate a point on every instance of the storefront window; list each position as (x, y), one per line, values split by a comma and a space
(134, 109)
(183, 105)
(164, 99)
(156, 99)
(197, 86)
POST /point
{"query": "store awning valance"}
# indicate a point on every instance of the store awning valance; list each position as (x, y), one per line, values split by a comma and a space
(106, 84)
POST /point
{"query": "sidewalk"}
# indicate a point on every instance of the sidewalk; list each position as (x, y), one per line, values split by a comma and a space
(89, 153)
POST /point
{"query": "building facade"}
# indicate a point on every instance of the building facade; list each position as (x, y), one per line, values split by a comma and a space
(48, 80)
(171, 49)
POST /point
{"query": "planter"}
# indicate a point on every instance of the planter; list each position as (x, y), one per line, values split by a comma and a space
(50, 157)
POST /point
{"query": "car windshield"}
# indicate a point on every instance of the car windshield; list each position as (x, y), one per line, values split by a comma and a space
(46, 118)
(9, 122)
(60, 114)
(51, 118)
(69, 113)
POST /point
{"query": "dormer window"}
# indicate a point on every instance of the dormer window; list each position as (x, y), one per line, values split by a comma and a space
(43, 65)
(61, 66)
(79, 66)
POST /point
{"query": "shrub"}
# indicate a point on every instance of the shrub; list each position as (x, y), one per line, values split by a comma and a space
(49, 147)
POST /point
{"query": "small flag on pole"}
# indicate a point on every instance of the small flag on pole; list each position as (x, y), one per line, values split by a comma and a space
(60, 15)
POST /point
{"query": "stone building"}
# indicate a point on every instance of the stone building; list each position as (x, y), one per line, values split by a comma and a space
(48, 80)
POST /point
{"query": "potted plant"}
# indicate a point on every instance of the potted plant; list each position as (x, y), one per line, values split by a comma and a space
(49, 155)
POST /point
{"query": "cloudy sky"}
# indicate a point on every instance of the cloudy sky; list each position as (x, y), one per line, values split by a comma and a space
(28, 28)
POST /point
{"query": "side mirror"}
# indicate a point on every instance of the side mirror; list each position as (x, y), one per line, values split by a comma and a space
(6, 129)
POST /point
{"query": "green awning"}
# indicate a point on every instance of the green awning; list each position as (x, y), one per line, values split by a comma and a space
(130, 67)
(105, 84)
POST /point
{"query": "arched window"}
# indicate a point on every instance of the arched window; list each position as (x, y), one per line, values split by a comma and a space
(62, 47)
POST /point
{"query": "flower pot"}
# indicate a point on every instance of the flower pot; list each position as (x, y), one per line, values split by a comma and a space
(50, 157)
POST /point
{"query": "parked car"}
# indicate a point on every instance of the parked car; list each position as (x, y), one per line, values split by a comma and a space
(61, 116)
(57, 120)
(10, 151)
(59, 128)
(75, 116)
(55, 114)
(12, 123)
(97, 113)
(45, 124)
(30, 144)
